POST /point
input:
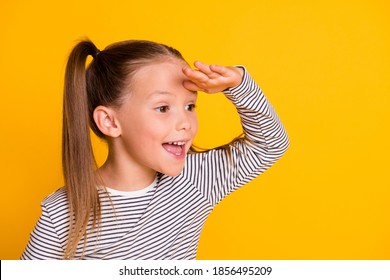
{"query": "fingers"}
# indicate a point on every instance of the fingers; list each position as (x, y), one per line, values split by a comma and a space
(192, 86)
(210, 78)
(202, 67)
(212, 71)
(221, 70)
(195, 75)
(204, 72)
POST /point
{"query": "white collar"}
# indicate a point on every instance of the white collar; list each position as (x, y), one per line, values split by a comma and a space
(136, 193)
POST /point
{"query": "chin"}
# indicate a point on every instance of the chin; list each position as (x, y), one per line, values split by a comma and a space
(173, 172)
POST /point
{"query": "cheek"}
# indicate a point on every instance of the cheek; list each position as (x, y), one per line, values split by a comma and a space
(195, 125)
(151, 131)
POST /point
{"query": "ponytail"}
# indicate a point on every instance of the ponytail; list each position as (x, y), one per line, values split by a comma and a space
(78, 161)
(103, 82)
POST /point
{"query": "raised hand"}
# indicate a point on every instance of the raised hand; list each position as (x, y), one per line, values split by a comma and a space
(212, 78)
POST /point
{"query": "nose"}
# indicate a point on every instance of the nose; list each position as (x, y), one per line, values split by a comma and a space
(184, 121)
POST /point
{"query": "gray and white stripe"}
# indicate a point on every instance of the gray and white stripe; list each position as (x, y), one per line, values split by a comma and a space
(166, 222)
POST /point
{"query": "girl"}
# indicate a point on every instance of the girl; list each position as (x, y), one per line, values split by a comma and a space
(151, 197)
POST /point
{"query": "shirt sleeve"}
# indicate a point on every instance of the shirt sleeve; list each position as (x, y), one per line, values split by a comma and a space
(219, 172)
(44, 243)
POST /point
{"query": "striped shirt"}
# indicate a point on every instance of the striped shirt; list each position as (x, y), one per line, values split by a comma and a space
(164, 221)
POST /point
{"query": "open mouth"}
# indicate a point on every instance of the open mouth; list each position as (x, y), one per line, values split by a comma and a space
(175, 148)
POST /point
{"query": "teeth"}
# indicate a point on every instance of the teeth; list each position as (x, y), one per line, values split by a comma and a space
(177, 143)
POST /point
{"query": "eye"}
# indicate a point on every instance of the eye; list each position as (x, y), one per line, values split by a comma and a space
(162, 109)
(191, 107)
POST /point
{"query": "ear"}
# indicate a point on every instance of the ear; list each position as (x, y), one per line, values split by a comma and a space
(105, 119)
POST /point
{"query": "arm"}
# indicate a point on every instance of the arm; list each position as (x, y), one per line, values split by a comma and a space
(44, 242)
(220, 172)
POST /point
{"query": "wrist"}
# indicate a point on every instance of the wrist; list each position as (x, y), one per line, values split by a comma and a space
(239, 75)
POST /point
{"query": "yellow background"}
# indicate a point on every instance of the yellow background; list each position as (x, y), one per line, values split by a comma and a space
(324, 65)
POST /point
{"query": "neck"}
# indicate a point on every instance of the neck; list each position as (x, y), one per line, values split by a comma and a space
(123, 175)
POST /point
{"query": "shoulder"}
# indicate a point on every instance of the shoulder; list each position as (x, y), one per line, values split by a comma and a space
(197, 162)
(56, 199)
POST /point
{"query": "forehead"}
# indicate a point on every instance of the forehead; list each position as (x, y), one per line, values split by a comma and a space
(165, 76)
(164, 68)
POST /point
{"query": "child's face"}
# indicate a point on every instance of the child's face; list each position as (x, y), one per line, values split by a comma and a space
(158, 118)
